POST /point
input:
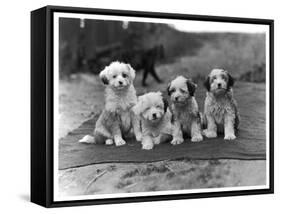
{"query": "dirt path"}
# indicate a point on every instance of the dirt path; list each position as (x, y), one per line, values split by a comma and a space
(79, 98)
(169, 175)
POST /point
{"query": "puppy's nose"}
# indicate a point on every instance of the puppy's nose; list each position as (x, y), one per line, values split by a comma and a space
(219, 85)
(120, 83)
(176, 98)
(154, 116)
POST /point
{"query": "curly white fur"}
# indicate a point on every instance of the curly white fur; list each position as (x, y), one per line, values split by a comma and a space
(185, 109)
(117, 118)
(220, 109)
(155, 118)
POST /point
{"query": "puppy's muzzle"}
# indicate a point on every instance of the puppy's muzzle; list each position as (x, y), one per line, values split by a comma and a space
(154, 117)
(179, 100)
(121, 85)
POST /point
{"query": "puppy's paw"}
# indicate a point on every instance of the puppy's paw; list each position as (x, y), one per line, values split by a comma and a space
(87, 139)
(109, 142)
(209, 134)
(120, 142)
(229, 137)
(139, 137)
(197, 138)
(147, 146)
(157, 140)
(177, 141)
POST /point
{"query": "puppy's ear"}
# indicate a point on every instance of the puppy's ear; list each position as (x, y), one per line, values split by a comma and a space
(230, 82)
(166, 104)
(132, 71)
(103, 76)
(191, 87)
(168, 89)
(207, 83)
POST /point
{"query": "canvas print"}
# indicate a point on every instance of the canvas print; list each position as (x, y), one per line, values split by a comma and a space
(151, 106)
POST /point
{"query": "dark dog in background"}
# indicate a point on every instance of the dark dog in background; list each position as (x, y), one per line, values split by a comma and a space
(144, 59)
(139, 58)
(149, 59)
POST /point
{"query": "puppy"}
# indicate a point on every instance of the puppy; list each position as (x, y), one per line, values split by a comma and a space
(155, 118)
(117, 118)
(220, 109)
(185, 108)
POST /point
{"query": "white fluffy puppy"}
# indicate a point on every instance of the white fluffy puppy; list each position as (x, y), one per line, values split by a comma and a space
(155, 118)
(185, 108)
(220, 108)
(117, 118)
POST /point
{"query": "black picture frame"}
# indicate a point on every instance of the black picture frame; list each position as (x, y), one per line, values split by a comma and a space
(42, 89)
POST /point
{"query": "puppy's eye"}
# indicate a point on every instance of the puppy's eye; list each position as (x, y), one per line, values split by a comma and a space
(213, 78)
(124, 75)
(114, 76)
(172, 90)
(182, 91)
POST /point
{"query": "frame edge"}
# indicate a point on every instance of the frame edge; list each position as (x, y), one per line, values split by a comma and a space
(44, 158)
(38, 154)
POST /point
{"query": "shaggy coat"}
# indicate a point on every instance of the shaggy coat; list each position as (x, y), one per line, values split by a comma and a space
(220, 109)
(185, 108)
(117, 119)
(156, 119)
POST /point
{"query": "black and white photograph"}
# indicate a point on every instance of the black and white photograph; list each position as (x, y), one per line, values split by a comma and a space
(121, 106)
(153, 106)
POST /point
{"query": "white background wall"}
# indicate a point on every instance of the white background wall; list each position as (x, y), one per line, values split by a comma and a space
(15, 99)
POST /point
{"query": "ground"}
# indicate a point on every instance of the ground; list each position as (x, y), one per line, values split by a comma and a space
(82, 95)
